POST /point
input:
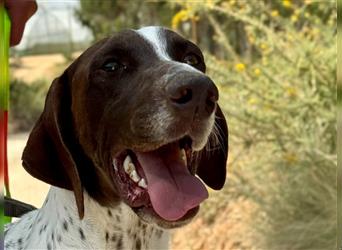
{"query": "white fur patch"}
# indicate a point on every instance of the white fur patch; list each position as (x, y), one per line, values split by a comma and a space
(152, 34)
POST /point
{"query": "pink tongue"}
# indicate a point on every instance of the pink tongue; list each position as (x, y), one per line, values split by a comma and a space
(172, 189)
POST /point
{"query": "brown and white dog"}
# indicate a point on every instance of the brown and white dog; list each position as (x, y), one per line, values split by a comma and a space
(124, 132)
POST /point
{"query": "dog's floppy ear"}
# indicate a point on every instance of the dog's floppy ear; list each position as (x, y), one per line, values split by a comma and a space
(47, 155)
(212, 160)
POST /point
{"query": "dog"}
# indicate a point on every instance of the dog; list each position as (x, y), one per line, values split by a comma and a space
(124, 132)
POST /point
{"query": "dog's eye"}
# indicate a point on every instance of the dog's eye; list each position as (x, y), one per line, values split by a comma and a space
(191, 59)
(112, 66)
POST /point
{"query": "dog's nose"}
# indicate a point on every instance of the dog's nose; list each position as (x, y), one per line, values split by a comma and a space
(197, 94)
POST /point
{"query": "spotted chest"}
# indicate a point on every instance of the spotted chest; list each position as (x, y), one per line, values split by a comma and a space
(57, 226)
(131, 233)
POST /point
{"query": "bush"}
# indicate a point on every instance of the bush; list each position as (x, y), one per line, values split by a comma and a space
(26, 103)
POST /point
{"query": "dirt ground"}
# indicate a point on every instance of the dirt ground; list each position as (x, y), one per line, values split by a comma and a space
(36, 67)
(22, 185)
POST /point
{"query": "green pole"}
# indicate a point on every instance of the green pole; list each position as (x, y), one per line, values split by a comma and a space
(4, 97)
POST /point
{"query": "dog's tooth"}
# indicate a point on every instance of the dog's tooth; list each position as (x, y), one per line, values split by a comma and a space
(142, 183)
(115, 165)
(183, 155)
(134, 176)
(128, 164)
(130, 168)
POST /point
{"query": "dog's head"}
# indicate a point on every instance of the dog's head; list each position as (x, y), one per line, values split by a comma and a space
(134, 119)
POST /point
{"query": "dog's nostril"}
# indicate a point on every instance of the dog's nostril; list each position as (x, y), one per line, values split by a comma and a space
(183, 96)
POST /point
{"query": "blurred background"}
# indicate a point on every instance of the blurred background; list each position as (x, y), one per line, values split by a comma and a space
(274, 62)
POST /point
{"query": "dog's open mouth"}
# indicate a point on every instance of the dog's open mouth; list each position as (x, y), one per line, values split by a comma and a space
(162, 180)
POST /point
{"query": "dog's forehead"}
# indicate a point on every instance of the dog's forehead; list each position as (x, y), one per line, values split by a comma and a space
(157, 37)
(147, 40)
(147, 45)
(163, 41)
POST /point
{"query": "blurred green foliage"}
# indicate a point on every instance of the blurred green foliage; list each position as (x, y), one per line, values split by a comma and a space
(106, 17)
(27, 103)
(339, 125)
(277, 77)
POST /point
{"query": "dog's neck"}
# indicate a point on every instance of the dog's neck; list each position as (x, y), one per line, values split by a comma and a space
(58, 225)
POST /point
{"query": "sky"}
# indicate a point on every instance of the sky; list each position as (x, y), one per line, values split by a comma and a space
(54, 21)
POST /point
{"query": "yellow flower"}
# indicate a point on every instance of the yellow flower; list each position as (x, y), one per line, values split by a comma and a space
(331, 22)
(251, 38)
(252, 101)
(315, 31)
(291, 91)
(294, 18)
(297, 11)
(268, 107)
(287, 3)
(290, 157)
(210, 4)
(275, 13)
(263, 46)
(179, 17)
(290, 38)
(257, 72)
(240, 67)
